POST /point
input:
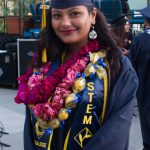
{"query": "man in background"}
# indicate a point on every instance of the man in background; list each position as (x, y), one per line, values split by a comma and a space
(140, 57)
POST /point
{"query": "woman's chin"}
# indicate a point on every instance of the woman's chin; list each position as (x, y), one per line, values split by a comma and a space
(69, 41)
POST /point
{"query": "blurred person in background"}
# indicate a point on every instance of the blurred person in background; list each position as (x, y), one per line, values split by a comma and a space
(140, 58)
(121, 28)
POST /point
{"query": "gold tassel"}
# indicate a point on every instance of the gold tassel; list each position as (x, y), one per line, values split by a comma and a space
(43, 15)
(44, 56)
(43, 25)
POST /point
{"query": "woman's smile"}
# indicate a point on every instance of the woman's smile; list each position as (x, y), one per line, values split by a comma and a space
(68, 31)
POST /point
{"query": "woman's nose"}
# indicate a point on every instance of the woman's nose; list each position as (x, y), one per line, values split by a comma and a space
(66, 22)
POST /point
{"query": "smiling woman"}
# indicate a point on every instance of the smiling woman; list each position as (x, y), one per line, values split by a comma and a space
(81, 98)
(72, 25)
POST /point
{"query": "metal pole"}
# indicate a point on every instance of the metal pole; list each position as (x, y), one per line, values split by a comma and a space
(19, 16)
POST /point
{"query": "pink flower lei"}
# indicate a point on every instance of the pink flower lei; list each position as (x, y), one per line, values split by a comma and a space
(37, 88)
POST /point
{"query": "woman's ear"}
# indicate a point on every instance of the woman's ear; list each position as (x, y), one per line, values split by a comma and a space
(94, 13)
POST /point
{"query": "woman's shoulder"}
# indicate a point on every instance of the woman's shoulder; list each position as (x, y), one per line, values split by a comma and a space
(127, 78)
(125, 63)
(126, 71)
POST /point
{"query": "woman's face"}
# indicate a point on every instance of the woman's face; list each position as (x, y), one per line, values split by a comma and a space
(126, 27)
(72, 24)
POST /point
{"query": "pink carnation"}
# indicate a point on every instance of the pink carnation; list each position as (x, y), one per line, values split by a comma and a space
(25, 77)
(71, 74)
(45, 69)
(35, 80)
(38, 110)
(23, 93)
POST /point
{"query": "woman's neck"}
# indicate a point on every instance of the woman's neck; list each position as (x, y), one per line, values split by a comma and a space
(72, 48)
(76, 47)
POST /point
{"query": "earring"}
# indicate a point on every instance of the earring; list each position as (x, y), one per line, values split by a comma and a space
(92, 34)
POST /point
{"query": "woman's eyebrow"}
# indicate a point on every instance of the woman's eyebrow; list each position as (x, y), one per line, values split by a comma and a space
(70, 9)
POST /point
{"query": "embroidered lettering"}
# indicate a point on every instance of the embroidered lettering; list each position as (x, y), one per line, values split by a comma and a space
(40, 144)
(89, 108)
(82, 137)
(91, 97)
(38, 129)
(87, 119)
(90, 86)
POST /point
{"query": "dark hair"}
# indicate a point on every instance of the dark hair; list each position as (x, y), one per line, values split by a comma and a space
(120, 35)
(54, 46)
(147, 19)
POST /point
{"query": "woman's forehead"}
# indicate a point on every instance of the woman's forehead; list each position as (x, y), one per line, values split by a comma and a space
(68, 9)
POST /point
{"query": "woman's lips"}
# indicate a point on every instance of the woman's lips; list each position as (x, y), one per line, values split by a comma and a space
(67, 32)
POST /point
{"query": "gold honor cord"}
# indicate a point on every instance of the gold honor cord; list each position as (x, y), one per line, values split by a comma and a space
(66, 140)
(50, 141)
(105, 98)
(63, 58)
(44, 56)
(43, 25)
(105, 95)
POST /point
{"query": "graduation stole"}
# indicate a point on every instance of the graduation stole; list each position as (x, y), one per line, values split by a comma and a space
(52, 97)
(43, 131)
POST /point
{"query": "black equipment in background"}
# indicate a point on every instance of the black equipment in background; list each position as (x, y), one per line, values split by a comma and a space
(8, 65)
(6, 39)
(26, 48)
(111, 9)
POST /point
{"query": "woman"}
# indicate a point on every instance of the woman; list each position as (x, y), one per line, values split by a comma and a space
(121, 28)
(80, 98)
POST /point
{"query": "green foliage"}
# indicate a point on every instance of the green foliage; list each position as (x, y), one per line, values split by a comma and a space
(15, 7)
(2, 26)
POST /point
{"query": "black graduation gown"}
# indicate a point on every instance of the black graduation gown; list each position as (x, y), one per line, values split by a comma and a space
(140, 58)
(114, 132)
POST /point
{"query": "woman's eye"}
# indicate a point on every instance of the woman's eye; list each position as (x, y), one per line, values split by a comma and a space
(56, 16)
(76, 14)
